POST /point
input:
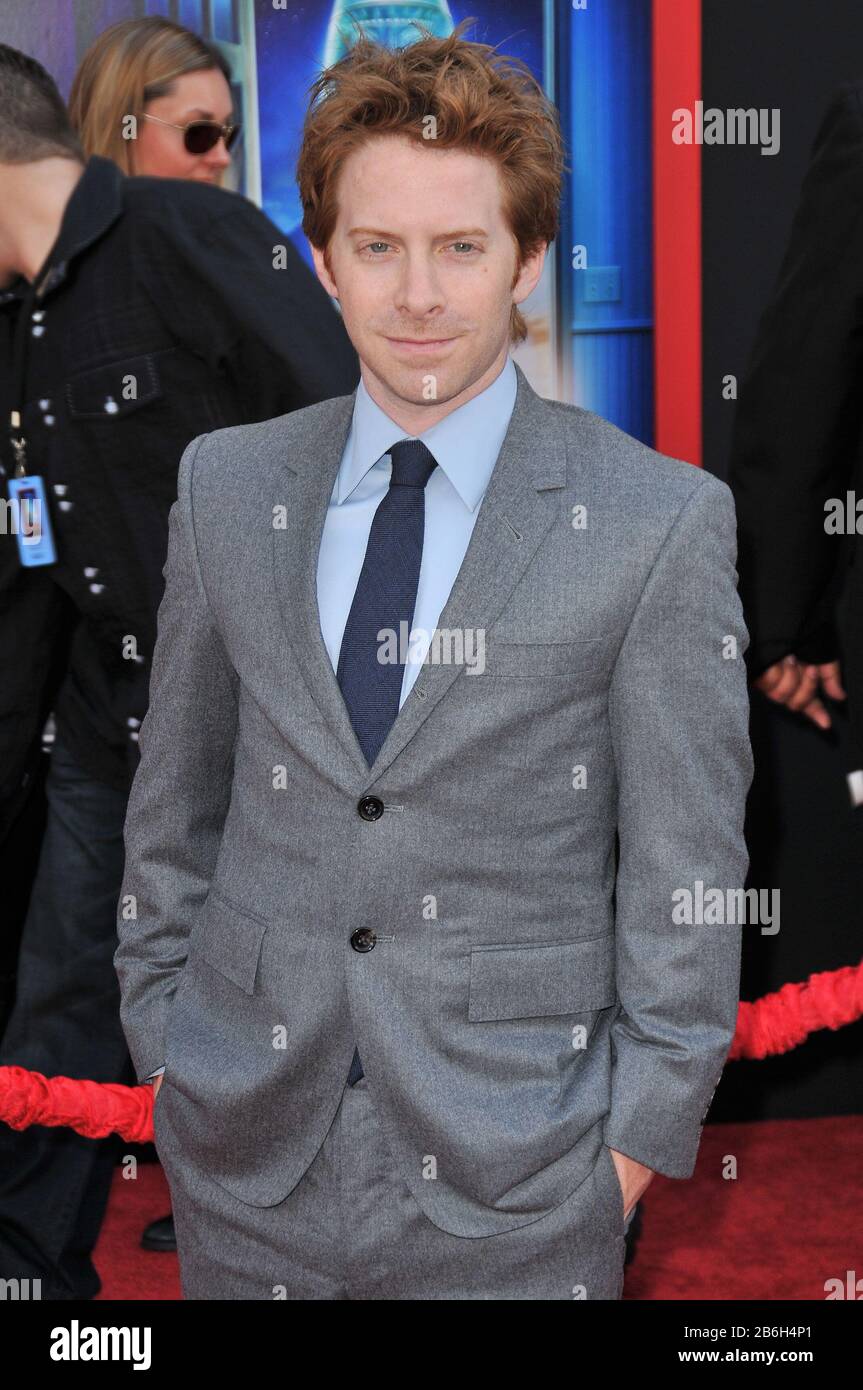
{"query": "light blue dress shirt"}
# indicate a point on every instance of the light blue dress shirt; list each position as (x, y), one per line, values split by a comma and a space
(465, 444)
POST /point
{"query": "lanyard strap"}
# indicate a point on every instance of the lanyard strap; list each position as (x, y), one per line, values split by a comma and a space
(19, 369)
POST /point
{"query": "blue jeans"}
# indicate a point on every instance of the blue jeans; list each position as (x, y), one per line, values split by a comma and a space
(54, 1184)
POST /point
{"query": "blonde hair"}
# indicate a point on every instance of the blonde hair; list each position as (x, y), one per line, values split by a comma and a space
(130, 64)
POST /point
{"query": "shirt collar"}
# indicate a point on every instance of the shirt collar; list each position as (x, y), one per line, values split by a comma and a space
(465, 443)
(95, 204)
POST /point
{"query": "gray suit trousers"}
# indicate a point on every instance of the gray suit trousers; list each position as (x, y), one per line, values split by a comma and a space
(351, 1229)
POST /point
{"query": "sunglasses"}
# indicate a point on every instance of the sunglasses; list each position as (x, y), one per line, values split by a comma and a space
(200, 137)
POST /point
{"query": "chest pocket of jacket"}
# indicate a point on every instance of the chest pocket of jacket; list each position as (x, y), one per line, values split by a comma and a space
(540, 660)
(114, 390)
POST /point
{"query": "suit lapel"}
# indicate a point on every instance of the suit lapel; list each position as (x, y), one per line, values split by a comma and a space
(519, 507)
(304, 488)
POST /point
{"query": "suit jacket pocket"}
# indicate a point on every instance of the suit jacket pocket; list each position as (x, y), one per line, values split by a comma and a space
(228, 937)
(541, 979)
(541, 660)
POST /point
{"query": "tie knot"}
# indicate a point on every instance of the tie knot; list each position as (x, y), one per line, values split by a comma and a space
(413, 463)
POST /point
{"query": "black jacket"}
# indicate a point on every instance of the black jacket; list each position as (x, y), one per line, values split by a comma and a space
(165, 314)
(798, 438)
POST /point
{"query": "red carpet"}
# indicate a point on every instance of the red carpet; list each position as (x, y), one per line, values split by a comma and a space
(790, 1221)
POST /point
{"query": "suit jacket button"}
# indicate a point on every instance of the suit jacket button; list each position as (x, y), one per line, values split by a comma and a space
(370, 807)
(363, 939)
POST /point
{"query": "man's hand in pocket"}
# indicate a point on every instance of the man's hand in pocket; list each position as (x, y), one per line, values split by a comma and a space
(634, 1178)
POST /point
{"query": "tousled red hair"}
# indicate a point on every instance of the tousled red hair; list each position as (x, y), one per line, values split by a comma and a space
(483, 102)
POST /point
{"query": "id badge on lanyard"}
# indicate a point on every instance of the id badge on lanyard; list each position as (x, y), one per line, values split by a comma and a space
(31, 520)
(28, 497)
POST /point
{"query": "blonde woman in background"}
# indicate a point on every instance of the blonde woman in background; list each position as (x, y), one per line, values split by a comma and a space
(173, 83)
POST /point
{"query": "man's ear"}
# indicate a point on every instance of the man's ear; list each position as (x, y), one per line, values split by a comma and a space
(528, 277)
(323, 274)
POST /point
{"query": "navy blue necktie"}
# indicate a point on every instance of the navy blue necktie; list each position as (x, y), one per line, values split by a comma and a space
(385, 597)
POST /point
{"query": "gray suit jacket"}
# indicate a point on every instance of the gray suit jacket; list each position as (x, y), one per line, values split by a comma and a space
(529, 994)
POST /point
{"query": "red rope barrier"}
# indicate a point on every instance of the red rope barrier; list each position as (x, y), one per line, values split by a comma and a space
(781, 1021)
(93, 1108)
(769, 1026)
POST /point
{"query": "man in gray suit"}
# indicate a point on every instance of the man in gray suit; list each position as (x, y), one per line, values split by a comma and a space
(448, 710)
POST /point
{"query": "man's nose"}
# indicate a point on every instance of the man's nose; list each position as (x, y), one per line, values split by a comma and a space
(418, 289)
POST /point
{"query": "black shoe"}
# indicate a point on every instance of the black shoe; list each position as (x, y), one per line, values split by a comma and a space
(159, 1235)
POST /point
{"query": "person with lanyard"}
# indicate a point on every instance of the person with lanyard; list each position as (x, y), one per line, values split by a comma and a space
(135, 315)
(181, 85)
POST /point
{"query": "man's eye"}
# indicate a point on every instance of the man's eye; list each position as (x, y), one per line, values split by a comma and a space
(471, 246)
